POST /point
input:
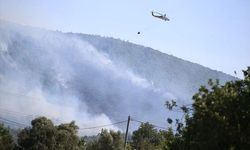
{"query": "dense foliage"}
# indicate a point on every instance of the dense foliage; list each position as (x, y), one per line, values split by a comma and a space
(146, 137)
(219, 119)
(6, 141)
(106, 140)
(45, 136)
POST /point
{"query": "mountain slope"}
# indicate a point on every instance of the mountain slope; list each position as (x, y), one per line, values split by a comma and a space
(165, 71)
(90, 79)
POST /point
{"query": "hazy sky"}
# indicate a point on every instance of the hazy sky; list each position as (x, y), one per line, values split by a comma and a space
(213, 33)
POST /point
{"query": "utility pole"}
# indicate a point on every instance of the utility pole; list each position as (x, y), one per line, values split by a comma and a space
(126, 134)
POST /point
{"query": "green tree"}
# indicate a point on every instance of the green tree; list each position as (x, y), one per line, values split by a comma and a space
(146, 137)
(6, 142)
(220, 117)
(67, 138)
(118, 141)
(106, 140)
(169, 140)
(92, 144)
(43, 135)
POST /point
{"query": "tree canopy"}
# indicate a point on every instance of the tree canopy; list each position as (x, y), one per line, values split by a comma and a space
(6, 142)
(220, 118)
(45, 135)
(106, 140)
(146, 137)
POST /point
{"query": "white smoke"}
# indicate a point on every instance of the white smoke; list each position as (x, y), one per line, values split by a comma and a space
(64, 78)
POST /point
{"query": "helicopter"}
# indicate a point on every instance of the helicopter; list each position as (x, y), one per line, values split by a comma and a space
(160, 16)
(157, 15)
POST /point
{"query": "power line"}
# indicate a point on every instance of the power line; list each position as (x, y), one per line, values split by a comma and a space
(20, 114)
(13, 122)
(21, 125)
(16, 119)
(15, 113)
(164, 128)
(156, 126)
(120, 122)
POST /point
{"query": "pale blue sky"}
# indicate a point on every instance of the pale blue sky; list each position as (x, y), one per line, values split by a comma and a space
(213, 33)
